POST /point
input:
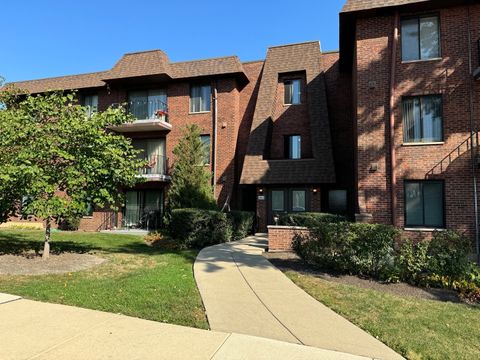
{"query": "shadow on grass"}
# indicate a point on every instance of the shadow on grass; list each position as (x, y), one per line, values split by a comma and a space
(22, 243)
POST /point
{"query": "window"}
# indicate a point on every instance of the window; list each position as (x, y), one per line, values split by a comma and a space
(422, 119)
(424, 204)
(299, 200)
(292, 92)
(420, 38)
(206, 148)
(88, 210)
(337, 201)
(293, 147)
(153, 151)
(148, 104)
(278, 200)
(91, 104)
(200, 96)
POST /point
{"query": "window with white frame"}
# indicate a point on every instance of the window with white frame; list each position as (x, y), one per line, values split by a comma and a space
(293, 147)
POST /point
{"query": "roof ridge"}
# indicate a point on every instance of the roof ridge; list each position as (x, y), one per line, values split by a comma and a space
(144, 51)
(205, 59)
(57, 77)
(295, 44)
(252, 61)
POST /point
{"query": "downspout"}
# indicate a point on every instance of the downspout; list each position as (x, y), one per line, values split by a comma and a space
(393, 157)
(214, 150)
(472, 134)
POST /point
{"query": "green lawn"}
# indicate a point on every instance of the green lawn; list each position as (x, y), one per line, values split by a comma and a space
(137, 280)
(417, 329)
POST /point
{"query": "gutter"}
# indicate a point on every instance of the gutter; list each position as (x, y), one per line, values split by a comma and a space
(215, 126)
(393, 156)
(473, 151)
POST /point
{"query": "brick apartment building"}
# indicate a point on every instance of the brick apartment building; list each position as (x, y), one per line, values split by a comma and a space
(384, 130)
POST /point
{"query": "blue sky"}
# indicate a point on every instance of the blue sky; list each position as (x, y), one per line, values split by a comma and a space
(60, 37)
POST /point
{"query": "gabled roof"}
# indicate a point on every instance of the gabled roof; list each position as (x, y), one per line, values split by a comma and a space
(258, 169)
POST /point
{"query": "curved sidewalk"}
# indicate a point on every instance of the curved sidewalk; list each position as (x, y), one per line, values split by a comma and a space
(244, 293)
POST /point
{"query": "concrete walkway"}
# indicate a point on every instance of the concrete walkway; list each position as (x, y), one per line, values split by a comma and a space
(244, 293)
(35, 330)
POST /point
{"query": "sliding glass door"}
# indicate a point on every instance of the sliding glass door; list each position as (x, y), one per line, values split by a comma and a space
(143, 209)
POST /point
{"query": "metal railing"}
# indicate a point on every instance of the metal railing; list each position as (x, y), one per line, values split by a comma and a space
(471, 142)
(156, 165)
(148, 109)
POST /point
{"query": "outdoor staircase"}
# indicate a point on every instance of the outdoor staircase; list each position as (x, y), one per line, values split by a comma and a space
(471, 143)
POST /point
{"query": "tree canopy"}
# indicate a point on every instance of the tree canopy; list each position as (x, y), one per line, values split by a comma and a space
(191, 181)
(59, 157)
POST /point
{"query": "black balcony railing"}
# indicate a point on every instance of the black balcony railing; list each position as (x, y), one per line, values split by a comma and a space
(156, 165)
(148, 109)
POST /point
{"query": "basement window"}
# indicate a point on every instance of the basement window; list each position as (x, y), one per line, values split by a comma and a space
(424, 204)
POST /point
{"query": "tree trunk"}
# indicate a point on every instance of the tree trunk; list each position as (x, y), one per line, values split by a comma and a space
(46, 244)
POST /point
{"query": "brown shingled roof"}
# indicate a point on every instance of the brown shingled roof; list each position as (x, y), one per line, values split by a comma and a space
(139, 64)
(359, 5)
(225, 65)
(144, 63)
(70, 82)
(259, 170)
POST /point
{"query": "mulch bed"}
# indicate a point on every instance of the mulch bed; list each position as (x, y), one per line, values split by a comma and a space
(33, 264)
(291, 261)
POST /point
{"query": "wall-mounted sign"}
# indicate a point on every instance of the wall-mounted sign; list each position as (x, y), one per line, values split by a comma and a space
(261, 197)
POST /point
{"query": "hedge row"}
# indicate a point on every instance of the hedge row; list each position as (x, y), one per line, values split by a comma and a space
(371, 250)
(196, 228)
(309, 220)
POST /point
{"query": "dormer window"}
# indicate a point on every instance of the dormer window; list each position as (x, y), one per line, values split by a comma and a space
(292, 92)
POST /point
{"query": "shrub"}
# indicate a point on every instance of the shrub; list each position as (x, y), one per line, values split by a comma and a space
(242, 222)
(363, 249)
(449, 252)
(373, 250)
(195, 228)
(309, 220)
(412, 260)
(69, 224)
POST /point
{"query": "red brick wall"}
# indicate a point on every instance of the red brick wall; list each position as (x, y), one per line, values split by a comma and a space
(290, 120)
(280, 237)
(449, 77)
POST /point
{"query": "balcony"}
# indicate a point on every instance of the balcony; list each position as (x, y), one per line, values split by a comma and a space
(151, 115)
(156, 168)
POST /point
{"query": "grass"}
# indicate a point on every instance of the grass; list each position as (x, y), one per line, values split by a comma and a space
(417, 329)
(137, 280)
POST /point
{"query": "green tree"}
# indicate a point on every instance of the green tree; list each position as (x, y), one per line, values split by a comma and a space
(191, 181)
(62, 159)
